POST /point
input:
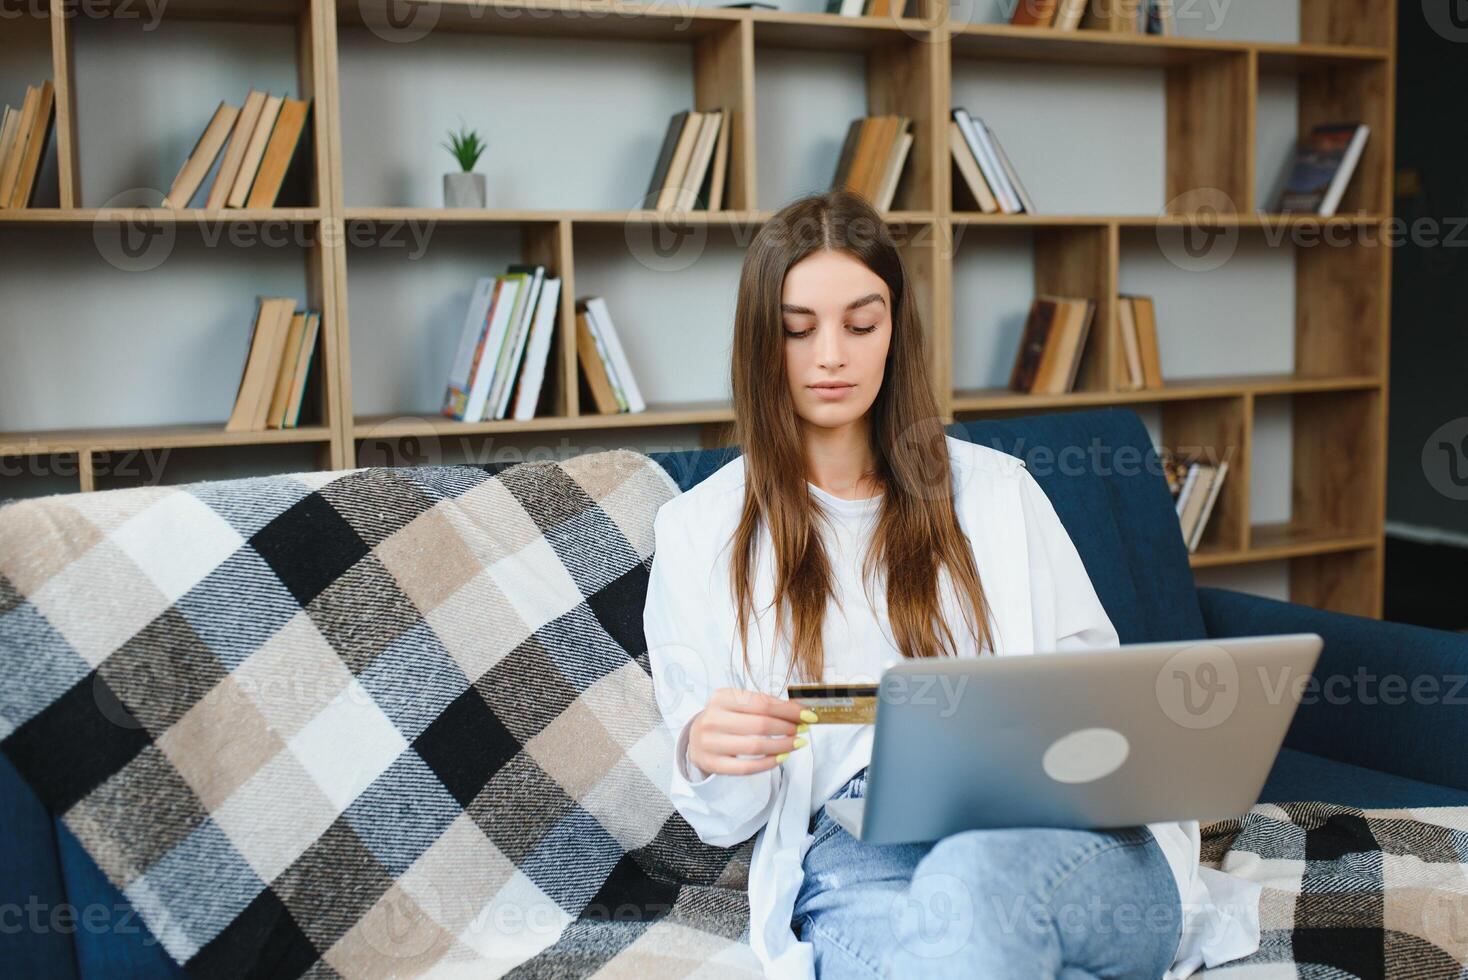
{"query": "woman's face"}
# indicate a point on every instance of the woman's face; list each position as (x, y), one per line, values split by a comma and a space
(837, 317)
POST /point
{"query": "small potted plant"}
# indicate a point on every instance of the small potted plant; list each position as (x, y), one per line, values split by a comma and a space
(464, 189)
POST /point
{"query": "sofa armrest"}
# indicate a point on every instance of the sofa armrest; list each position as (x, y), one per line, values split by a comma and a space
(1386, 696)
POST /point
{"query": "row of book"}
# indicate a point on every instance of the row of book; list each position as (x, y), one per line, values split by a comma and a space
(603, 361)
(1122, 16)
(866, 8)
(1195, 485)
(499, 369)
(872, 158)
(693, 163)
(277, 368)
(985, 167)
(248, 148)
(1050, 348)
(24, 133)
(1322, 168)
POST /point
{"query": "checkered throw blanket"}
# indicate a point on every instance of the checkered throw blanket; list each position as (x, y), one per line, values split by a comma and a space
(367, 722)
(1350, 893)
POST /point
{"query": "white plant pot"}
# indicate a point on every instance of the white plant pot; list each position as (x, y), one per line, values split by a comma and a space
(463, 190)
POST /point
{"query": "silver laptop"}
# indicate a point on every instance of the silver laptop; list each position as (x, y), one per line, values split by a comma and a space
(1093, 739)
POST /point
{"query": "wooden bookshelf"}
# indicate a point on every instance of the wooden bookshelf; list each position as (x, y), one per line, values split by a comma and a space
(1344, 68)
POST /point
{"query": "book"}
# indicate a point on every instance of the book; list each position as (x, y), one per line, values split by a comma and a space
(197, 164)
(1033, 13)
(1127, 324)
(234, 153)
(532, 374)
(1038, 327)
(890, 179)
(1145, 316)
(262, 365)
(664, 161)
(461, 372)
(848, 152)
(255, 151)
(285, 377)
(593, 367)
(621, 372)
(1118, 16)
(699, 160)
(712, 195)
(1011, 177)
(1160, 18)
(976, 136)
(1215, 486)
(678, 167)
(968, 169)
(487, 354)
(1068, 14)
(285, 136)
(301, 371)
(10, 152)
(1061, 358)
(509, 362)
(1324, 164)
(37, 117)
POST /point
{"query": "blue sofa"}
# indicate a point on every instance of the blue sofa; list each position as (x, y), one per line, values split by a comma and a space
(60, 917)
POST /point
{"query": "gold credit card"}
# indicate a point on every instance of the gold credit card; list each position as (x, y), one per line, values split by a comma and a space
(838, 704)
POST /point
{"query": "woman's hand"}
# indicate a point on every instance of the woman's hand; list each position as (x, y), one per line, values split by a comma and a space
(739, 723)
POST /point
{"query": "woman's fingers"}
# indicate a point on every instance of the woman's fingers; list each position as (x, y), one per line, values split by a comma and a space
(732, 766)
(756, 703)
(747, 724)
(722, 743)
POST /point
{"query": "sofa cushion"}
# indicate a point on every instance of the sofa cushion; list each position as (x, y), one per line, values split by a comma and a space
(1101, 472)
(1301, 776)
(366, 721)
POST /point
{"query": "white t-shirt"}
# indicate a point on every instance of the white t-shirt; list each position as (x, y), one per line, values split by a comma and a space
(1040, 597)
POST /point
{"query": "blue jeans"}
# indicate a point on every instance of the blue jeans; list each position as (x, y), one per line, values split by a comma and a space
(1001, 904)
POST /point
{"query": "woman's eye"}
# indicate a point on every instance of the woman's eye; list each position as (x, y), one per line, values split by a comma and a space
(865, 329)
(797, 334)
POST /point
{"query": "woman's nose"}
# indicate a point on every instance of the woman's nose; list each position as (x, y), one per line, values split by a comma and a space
(830, 348)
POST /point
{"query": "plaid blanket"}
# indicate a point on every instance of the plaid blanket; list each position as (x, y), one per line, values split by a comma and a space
(1350, 893)
(366, 723)
(381, 722)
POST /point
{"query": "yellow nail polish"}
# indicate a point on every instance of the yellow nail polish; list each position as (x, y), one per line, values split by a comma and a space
(808, 716)
(782, 756)
(800, 743)
(801, 729)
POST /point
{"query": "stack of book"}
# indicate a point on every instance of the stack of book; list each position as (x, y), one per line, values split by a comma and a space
(504, 346)
(872, 157)
(24, 133)
(253, 146)
(273, 384)
(984, 166)
(1137, 318)
(1123, 16)
(1323, 166)
(1195, 485)
(603, 362)
(1050, 349)
(866, 8)
(692, 164)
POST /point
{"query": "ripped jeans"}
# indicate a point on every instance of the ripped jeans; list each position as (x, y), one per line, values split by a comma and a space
(1012, 903)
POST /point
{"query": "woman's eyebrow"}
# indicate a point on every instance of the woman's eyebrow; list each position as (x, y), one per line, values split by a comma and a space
(863, 301)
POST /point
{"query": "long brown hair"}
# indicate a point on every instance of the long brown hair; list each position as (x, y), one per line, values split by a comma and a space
(917, 532)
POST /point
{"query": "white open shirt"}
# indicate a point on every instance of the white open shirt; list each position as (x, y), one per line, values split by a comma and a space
(1040, 599)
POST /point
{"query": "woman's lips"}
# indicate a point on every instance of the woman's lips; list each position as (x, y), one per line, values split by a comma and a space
(833, 393)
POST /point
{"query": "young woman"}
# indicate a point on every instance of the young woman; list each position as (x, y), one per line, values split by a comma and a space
(852, 532)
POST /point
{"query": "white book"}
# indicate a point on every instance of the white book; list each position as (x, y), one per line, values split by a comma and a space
(494, 340)
(602, 318)
(504, 372)
(1188, 481)
(532, 376)
(988, 162)
(1208, 502)
(462, 371)
(1343, 173)
(852, 8)
(598, 337)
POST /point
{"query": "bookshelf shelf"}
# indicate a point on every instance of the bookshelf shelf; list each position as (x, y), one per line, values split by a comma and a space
(204, 435)
(1342, 68)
